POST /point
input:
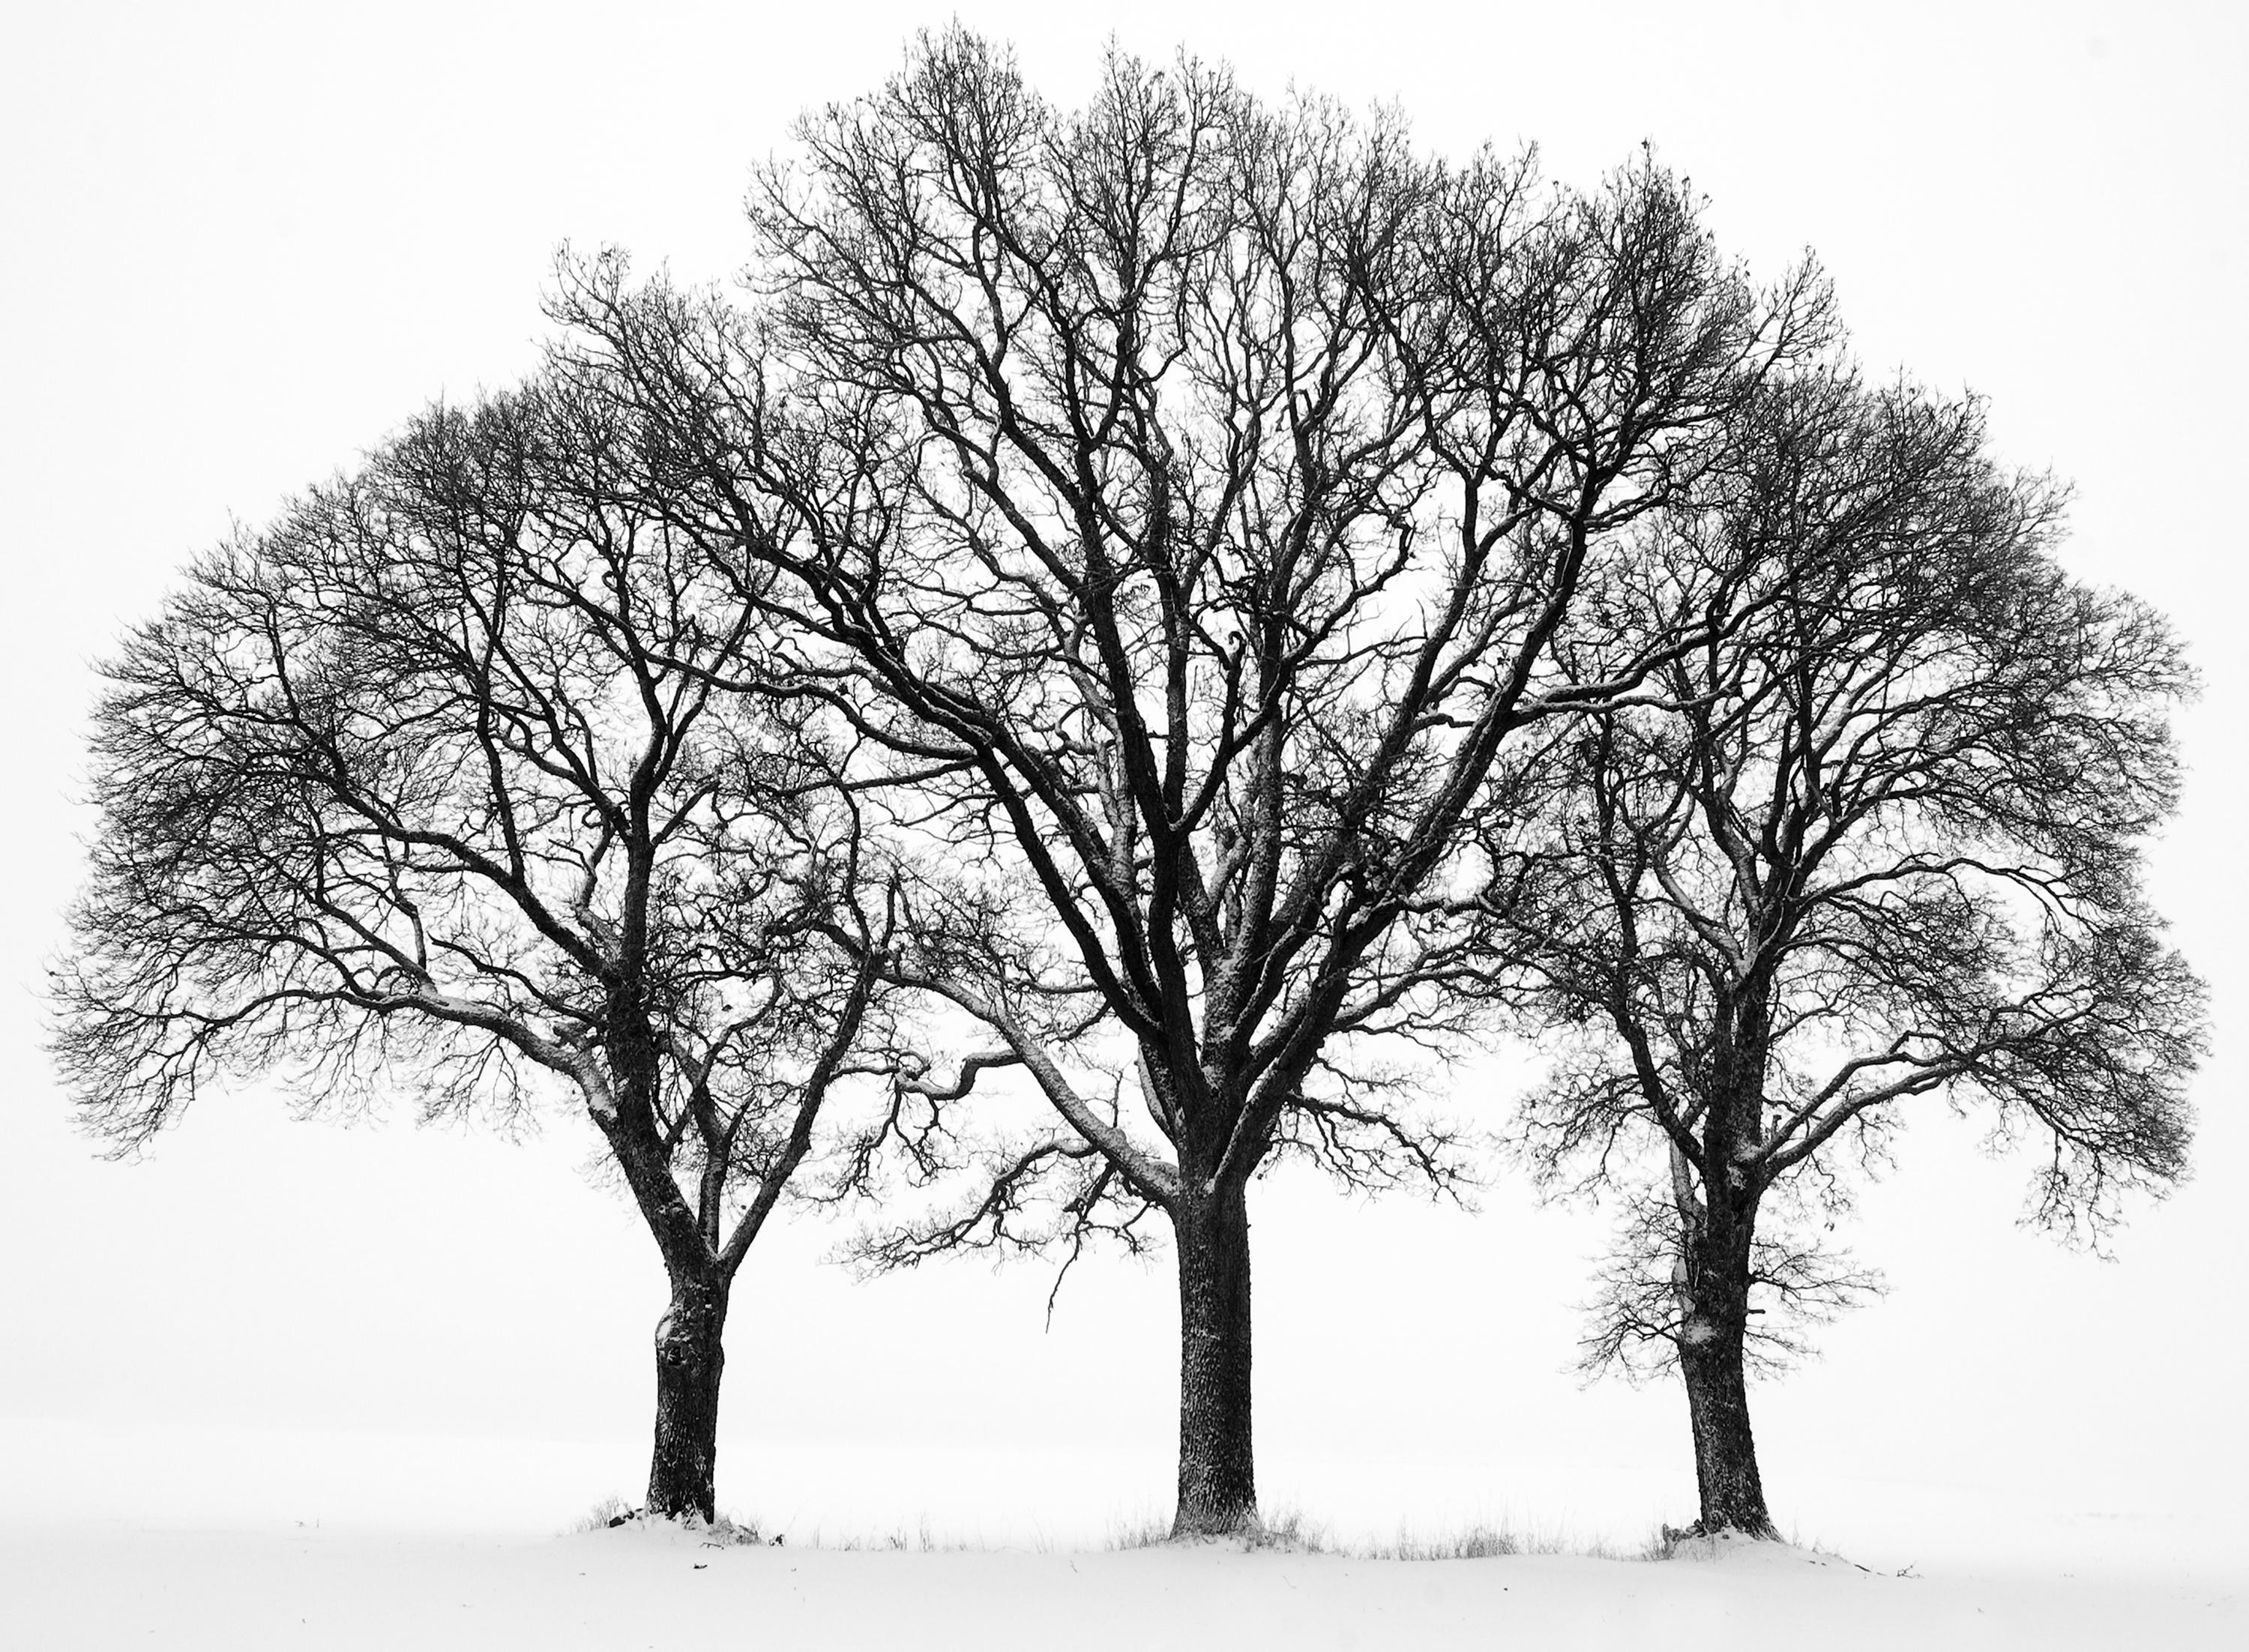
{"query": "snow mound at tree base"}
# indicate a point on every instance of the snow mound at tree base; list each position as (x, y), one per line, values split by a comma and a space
(1739, 1548)
(722, 1532)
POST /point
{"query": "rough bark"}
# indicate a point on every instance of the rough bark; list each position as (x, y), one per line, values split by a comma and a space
(1714, 1328)
(689, 1358)
(1719, 1230)
(690, 1354)
(1218, 1476)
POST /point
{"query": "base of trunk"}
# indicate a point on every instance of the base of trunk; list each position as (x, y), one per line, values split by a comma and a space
(690, 1359)
(1217, 1473)
(1696, 1531)
(1730, 1488)
(1221, 1515)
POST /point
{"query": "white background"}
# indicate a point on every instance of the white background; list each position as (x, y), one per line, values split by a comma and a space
(242, 242)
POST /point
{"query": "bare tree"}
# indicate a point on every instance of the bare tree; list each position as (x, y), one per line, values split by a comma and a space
(428, 784)
(1183, 503)
(1879, 843)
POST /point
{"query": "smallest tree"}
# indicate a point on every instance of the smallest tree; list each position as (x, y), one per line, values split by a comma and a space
(1875, 841)
(428, 785)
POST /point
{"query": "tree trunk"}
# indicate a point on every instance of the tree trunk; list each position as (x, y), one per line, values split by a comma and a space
(1717, 1392)
(1719, 1234)
(689, 1357)
(1218, 1475)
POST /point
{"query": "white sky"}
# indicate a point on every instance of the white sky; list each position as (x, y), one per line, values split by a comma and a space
(242, 242)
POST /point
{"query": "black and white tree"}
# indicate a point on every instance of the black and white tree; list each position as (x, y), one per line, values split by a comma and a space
(1874, 846)
(1185, 502)
(427, 788)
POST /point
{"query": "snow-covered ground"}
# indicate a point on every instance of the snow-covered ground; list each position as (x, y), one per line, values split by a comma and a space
(245, 1539)
(91, 1587)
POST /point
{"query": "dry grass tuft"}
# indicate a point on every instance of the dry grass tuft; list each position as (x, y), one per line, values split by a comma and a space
(1288, 1530)
(609, 1512)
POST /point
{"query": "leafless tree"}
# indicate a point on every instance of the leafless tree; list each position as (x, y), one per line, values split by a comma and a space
(428, 785)
(1878, 843)
(1183, 503)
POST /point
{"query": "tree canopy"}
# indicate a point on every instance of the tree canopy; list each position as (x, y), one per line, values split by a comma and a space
(1875, 839)
(1183, 502)
(430, 784)
(1202, 605)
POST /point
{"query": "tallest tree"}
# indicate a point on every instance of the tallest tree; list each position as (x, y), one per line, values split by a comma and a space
(1183, 502)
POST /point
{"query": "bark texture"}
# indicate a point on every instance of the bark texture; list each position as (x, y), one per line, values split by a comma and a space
(1715, 1329)
(1218, 1476)
(689, 1358)
(1718, 1232)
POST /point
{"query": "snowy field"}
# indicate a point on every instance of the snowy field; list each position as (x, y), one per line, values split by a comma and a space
(239, 1590)
(405, 1541)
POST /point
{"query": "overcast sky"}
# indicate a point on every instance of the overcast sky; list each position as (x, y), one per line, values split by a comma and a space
(242, 242)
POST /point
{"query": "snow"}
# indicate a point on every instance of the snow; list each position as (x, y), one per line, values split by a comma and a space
(98, 1587)
(208, 1536)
